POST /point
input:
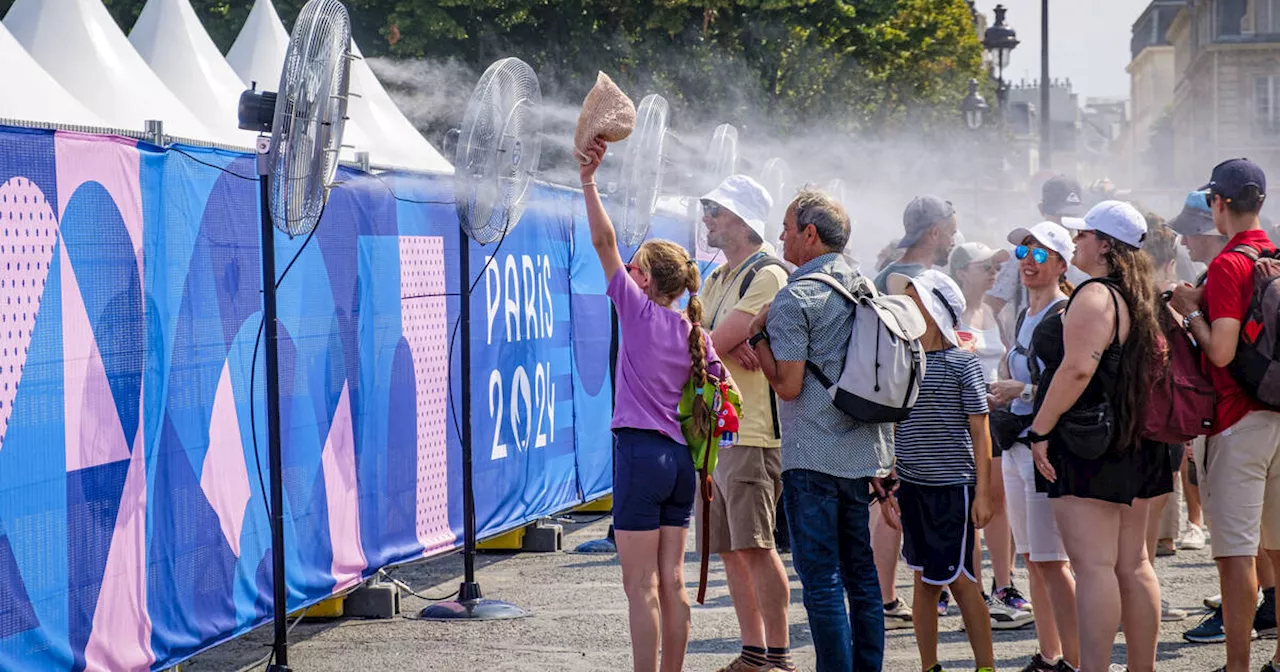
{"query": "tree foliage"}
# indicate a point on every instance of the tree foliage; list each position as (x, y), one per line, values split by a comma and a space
(872, 66)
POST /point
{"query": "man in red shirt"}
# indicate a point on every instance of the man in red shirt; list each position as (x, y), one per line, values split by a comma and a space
(1240, 470)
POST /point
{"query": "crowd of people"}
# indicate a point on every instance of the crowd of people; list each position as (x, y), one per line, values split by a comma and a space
(1027, 427)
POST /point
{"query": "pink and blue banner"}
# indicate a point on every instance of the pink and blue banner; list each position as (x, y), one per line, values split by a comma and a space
(133, 524)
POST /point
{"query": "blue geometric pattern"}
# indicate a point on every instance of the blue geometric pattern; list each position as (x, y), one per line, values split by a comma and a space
(117, 558)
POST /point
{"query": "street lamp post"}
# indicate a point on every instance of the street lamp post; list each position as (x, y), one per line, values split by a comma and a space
(1001, 40)
(1046, 127)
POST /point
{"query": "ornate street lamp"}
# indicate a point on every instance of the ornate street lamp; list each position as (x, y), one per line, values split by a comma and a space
(1001, 40)
(973, 107)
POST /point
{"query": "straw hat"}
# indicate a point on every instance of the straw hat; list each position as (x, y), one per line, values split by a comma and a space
(606, 113)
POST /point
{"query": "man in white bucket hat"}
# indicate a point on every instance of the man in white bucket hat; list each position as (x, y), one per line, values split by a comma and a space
(748, 478)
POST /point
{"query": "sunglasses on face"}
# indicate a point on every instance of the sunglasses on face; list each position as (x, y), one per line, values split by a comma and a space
(711, 209)
(1039, 254)
(986, 266)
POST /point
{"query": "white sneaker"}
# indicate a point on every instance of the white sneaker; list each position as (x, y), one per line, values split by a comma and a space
(1004, 617)
(1170, 614)
(1214, 602)
(897, 616)
(1193, 539)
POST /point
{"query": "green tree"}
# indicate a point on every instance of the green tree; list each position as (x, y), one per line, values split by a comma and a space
(872, 66)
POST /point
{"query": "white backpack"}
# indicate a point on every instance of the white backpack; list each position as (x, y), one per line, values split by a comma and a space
(885, 361)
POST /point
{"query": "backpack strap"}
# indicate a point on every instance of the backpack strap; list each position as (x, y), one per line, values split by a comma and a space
(1247, 250)
(839, 288)
(1033, 367)
(761, 263)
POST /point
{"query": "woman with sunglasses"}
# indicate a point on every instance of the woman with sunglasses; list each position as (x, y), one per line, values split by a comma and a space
(1100, 357)
(654, 480)
(1042, 252)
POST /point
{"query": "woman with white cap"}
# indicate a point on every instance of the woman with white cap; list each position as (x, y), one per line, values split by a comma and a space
(1099, 358)
(1043, 252)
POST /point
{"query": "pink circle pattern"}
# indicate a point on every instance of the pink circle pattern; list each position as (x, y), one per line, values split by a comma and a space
(425, 327)
(28, 232)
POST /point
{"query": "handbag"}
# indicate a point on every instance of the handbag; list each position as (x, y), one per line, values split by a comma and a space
(725, 406)
(1086, 432)
(1007, 426)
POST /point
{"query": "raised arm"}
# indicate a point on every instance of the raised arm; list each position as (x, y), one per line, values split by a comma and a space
(603, 236)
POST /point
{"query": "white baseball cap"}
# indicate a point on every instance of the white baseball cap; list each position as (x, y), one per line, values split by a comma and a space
(975, 253)
(745, 198)
(1114, 218)
(1048, 234)
(940, 295)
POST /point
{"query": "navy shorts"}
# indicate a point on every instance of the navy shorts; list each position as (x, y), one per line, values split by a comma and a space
(654, 481)
(937, 531)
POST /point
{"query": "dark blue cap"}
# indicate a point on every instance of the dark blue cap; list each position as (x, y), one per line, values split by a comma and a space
(1232, 176)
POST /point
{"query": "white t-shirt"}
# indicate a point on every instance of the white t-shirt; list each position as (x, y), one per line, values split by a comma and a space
(989, 349)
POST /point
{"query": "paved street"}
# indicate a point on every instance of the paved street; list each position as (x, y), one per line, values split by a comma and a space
(579, 623)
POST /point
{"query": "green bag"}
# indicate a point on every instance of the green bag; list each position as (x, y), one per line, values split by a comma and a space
(705, 448)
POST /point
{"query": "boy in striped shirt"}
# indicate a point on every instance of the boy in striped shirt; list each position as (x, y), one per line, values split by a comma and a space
(943, 454)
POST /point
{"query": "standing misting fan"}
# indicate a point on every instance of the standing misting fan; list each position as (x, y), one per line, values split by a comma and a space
(722, 158)
(301, 129)
(496, 155)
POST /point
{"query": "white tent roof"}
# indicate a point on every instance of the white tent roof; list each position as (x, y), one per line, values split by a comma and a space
(394, 140)
(376, 125)
(258, 56)
(258, 52)
(170, 38)
(80, 45)
(34, 94)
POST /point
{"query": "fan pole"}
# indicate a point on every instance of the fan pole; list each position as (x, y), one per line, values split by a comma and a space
(470, 604)
(469, 590)
(280, 644)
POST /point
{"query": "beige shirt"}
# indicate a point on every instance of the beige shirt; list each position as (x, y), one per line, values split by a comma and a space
(719, 299)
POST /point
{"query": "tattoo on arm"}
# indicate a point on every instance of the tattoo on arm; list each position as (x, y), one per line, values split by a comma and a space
(1097, 356)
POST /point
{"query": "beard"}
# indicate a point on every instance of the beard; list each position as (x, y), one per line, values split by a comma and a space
(943, 256)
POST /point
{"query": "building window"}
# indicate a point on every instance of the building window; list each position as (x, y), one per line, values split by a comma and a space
(1230, 17)
(1266, 95)
(1266, 17)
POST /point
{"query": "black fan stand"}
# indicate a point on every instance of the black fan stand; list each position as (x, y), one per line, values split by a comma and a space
(471, 604)
(280, 643)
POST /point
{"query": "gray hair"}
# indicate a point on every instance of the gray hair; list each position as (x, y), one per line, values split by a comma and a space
(820, 210)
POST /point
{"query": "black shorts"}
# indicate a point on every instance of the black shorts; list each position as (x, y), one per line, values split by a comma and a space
(937, 531)
(654, 481)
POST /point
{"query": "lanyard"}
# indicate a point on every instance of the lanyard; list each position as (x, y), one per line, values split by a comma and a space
(720, 304)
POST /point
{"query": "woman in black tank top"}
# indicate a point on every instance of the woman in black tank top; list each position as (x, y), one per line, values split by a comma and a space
(1099, 357)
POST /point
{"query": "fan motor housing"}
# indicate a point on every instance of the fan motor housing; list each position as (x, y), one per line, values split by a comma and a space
(257, 110)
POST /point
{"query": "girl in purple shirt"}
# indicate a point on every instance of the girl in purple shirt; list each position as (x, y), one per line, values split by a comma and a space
(654, 480)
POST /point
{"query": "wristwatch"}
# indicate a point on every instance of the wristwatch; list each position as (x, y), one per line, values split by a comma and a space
(761, 335)
(1028, 393)
(1032, 437)
(1186, 321)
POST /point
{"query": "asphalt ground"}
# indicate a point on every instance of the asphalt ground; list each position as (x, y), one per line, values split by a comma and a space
(579, 622)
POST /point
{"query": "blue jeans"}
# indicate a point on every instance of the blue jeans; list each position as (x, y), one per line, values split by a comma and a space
(831, 551)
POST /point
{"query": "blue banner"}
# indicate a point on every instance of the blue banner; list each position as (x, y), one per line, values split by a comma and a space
(133, 468)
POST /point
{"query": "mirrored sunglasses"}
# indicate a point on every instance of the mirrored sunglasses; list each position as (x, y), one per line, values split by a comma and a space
(1039, 254)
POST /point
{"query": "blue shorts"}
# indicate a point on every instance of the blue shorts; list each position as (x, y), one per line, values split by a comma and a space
(654, 481)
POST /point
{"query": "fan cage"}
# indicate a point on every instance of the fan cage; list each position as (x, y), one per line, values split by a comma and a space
(723, 154)
(310, 115)
(643, 168)
(498, 149)
(776, 177)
